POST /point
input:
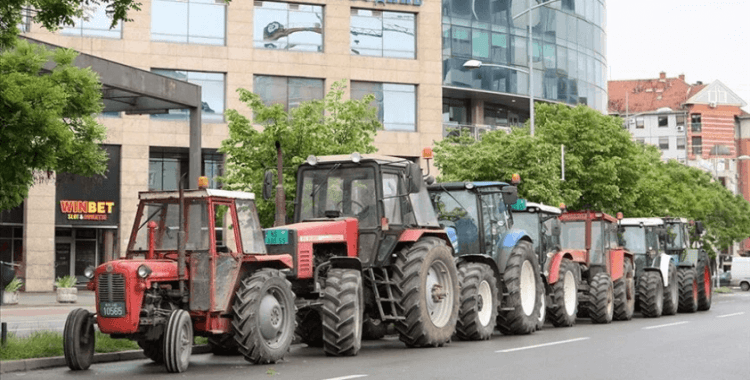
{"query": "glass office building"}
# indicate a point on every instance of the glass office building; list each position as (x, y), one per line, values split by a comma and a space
(569, 58)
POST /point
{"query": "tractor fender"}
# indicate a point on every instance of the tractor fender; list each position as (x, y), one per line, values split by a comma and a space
(617, 259)
(664, 261)
(482, 259)
(411, 236)
(552, 271)
(508, 242)
(345, 262)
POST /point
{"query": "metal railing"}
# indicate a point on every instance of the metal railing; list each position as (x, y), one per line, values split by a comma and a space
(473, 130)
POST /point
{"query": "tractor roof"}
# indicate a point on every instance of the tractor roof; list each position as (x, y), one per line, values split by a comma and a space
(463, 185)
(541, 207)
(675, 220)
(583, 215)
(200, 193)
(644, 221)
(380, 159)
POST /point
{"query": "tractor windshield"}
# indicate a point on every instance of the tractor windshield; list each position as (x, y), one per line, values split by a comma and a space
(458, 209)
(166, 215)
(675, 238)
(573, 235)
(336, 191)
(633, 238)
(528, 222)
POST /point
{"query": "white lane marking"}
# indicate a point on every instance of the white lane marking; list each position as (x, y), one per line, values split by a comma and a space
(347, 377)
(730, 315)
(543, 345)
(667, 325)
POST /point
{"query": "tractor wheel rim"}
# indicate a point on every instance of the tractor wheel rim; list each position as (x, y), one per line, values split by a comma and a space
(707, 282)
(484, 303)
(437, 294)
(528, 288)
(185, 343)
(695, 290)
(271, 317)
(610, 301)
(543, 309)
(569, 293)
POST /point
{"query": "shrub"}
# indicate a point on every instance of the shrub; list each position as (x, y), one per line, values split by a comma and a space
(66, 282)
(14, 285)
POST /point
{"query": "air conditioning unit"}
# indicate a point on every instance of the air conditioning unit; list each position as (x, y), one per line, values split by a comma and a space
(712, 104)
(680, 128)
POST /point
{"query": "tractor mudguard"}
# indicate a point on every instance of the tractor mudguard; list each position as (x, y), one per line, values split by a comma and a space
(345, 262)
(477, 258)
(552, 271)
(509, 241)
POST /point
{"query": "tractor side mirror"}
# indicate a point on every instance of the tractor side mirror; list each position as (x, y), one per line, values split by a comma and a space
(699, 229)
(414, 178)
(268, 185)
(510, 194)
(556, 231)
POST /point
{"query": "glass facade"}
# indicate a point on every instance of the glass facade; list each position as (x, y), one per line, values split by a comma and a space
(396, 103)
(382, 34)
(212, 94)
(568, 48)
(289, 91)
(288, 26)
(189, 21)
(94, 23)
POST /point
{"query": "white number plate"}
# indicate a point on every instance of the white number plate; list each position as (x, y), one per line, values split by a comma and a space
(112, 309)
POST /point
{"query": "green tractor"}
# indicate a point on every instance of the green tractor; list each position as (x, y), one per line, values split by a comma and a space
(693, 268)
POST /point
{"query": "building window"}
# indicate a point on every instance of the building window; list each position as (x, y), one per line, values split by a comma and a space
(212, 94)
(94, 23)
(288, 91)
(189, 21)
(663, 121)
(680, 143)
(664, 143)
(695, 122)
(168, 165)
(382, 34)
(697, 145)
(639, 122)
(288, 26)
(495, 115)
(680, 120)
(396, 103)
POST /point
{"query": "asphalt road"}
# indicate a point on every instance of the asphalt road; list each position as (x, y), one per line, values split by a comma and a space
(705, 345)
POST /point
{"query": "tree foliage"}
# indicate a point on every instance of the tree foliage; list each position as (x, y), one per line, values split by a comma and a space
(317, 127)
(604, 170)
(47, 120)
(52, 14)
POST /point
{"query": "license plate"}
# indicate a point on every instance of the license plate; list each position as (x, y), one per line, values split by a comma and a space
(112, 309)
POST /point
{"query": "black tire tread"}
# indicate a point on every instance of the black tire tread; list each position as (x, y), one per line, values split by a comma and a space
(342, 299)
(623, 308)
(556, 310)
(704, 290)
(670, 306)
(171, 344)
(598, 307)
(78, 356)
(685, 279)
(468, 326)
(515, 322)
(649, 299)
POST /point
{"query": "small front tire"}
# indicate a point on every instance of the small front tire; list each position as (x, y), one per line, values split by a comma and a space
(478, 311)
(178, 341)
(79, 339)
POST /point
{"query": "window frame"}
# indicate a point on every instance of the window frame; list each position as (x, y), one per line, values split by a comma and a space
(382, 101)
(382, 18)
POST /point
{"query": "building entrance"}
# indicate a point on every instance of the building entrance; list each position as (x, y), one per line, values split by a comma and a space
(78, 248)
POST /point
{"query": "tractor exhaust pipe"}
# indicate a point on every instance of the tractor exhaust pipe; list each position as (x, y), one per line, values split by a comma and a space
(181, 245)
(280, 196)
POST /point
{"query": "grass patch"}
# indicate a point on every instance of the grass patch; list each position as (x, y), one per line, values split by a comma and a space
(723, 289)
(43, 344)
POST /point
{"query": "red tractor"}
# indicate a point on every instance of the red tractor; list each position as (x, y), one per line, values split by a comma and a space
(591, 276)
(367, 251)
(196, 264)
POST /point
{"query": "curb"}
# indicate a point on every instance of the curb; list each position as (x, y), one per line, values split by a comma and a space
(59, 361)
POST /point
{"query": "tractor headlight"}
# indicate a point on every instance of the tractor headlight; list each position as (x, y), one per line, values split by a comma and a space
(143, 271)
(89, 272)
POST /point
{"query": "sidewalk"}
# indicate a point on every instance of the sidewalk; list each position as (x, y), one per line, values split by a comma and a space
(86, 299)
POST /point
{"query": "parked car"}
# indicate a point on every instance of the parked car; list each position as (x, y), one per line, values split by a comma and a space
(724, 279)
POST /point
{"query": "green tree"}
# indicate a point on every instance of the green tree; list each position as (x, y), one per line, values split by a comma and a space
(47, 121)
(317, 127)
(55, 13)
(604, 170)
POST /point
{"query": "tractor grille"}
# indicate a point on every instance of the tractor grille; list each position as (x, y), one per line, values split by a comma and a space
(111, 287)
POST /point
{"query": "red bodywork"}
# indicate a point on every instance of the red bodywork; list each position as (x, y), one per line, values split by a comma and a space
(343, 231)
(614, 259)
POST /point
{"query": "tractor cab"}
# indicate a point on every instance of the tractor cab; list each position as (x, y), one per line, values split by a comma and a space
(678, 239)
(541, 222)
(643, 238)
(590, 235)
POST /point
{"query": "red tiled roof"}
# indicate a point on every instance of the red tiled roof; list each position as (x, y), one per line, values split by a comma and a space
(645, 95)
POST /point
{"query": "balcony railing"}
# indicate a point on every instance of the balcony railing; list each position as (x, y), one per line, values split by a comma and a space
(473, 130)
(695, 127)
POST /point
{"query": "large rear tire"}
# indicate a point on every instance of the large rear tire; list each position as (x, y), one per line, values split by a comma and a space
(524, 299)
(263, 316)
(153, 349)
(601, 298)
(343, 305)
(651, 294)
(79, 339)
(428, 290)
(671, 293)
(625, 293)
(564, 297)
(309, 327)
(178, 341)
(704, 286)
(476, 317)
(688, 290)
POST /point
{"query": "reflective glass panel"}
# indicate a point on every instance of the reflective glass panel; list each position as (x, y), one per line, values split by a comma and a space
(288, 26)
(188, 21)
(288, 91)
(94, 23)
(382, 34)
(212, 94)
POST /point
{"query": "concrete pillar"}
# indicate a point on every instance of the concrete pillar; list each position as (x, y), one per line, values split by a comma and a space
(39, 235)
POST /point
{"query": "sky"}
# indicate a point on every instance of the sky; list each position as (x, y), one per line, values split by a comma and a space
(705, 40)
